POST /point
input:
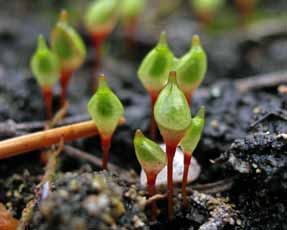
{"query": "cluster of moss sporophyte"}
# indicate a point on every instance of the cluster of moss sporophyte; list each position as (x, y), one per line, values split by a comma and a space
(171, 83)
(177, 127)
(207, 10)
(155, 67)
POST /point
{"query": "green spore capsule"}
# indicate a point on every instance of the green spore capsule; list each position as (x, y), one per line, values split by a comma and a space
(154, 69)
(132, 8)
(172, 113)
(105, 108)
(67, 44)
(45, 65)
(152, 159)
(101, 16)
(191, 68)
(149, 154)
(193, 134)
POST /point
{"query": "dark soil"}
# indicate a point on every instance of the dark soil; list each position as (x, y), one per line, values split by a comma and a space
(243, 129)
(99, 200)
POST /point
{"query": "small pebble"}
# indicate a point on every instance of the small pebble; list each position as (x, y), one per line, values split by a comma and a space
(95, 204)
(193, 172)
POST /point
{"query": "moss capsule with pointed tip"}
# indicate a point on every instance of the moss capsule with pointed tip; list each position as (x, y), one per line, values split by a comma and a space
(152, 159)
(106, 110)
(70, 49)
(154, 69)
(153, 72)
(45, 67)
(172, 115)
(188, 144)
(191, 68)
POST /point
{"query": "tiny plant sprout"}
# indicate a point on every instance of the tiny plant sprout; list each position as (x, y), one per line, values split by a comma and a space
(152, 159)
(45, 67)
(106, 110)
(206, 9)
(100, 20)
(70, 49)
(191, 68)
(188, 145)
(153, 72)
(130, 11)
(172, 115)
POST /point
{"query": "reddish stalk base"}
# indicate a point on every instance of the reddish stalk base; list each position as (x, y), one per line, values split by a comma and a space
(106, 144)
(187, 158)
(97, 40)
(153, 97)
(188, 98)
(170, 151)
(64, 81)
(48, 95)
(130, 29)
(151, 178)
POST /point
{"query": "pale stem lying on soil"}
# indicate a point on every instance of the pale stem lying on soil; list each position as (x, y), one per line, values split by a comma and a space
(38, 140)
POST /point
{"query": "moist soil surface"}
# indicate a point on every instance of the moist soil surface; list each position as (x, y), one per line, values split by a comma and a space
(244, 137)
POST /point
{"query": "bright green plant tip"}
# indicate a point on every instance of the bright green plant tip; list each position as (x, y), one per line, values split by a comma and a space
(101, 14)
(171, 109)
(191, 68)
(105, 109)
(149, 154)
(154, 69)
(207, 5)
(132, 8)
(45, 65)
(67, 44)
(193, 133)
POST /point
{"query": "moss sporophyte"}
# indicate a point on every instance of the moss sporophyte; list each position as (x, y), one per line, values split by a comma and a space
(70, 49)
(152, 159)
(106, 110)
(191, 68)
(100, 19)
(172, 115)
(130, 13)
(188, 144)
(45, 67)
(153, 72)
